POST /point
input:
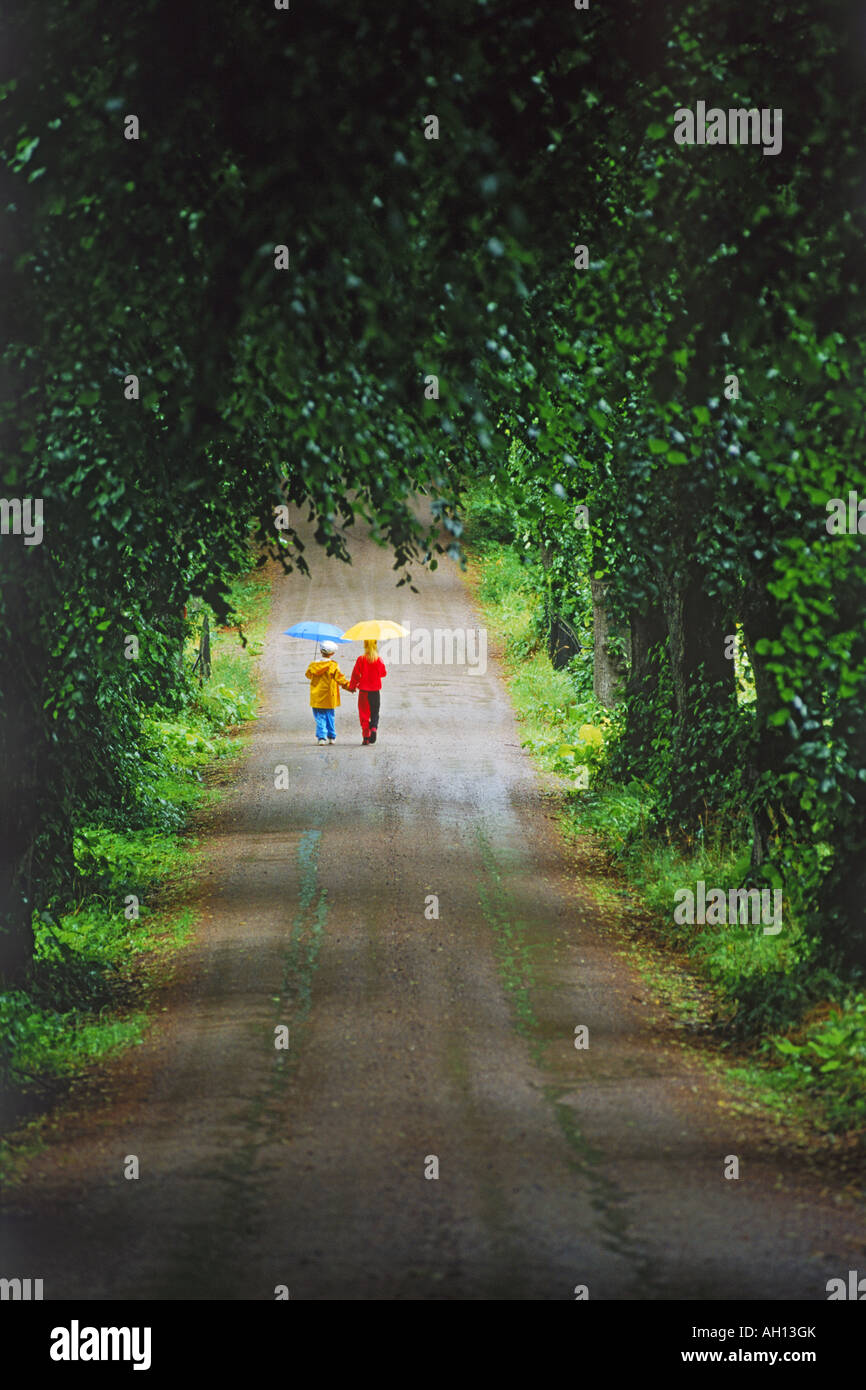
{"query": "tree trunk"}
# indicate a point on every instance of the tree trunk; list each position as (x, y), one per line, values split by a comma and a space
(648, 637)
(703, 683)
(204, 651)
(31, 774)
(648, 634)
(696, 635)
(771, 744)
(608, 667)
(844, 892)
(24, 768)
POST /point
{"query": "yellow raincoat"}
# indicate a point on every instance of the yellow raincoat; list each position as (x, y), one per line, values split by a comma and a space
(325, 679)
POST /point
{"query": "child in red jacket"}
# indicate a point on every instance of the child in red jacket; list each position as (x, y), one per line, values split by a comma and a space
(367, 678)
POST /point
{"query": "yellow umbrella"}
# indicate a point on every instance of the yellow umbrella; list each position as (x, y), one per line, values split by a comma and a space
(374, 630)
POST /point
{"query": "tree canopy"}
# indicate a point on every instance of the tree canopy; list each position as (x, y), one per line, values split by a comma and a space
(249, 211)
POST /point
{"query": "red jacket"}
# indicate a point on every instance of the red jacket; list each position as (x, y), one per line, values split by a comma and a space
(367, 675)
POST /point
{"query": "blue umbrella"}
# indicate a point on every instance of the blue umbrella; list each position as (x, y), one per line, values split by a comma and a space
(315, 632)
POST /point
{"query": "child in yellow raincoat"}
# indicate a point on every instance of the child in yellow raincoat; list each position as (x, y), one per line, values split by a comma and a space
(325, 679)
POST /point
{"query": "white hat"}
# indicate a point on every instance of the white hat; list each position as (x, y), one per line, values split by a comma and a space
(328, 648)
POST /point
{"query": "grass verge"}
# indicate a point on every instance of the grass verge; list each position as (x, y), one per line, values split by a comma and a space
(100, 956)
(790, 1034)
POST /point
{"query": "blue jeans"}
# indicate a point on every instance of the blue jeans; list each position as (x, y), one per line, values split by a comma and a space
(325, 727)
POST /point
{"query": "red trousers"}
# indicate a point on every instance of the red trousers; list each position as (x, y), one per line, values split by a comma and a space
(368, 710)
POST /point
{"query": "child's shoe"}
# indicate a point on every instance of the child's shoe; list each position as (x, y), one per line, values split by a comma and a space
(332, 740)
(321, 742)
(372, 735)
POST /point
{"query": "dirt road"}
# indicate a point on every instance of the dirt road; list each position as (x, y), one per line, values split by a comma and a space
(411, 1038)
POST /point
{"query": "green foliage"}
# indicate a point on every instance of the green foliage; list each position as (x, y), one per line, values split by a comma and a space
(620, 815)
(708, 505)
(762, 984)
(178, 744)
(255, 388)
(225, 707)
(770, 991)
(489, 519)
(507, 575)
(106, 859)
(829, 1063)
(40, 1046)
(78, 1004)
